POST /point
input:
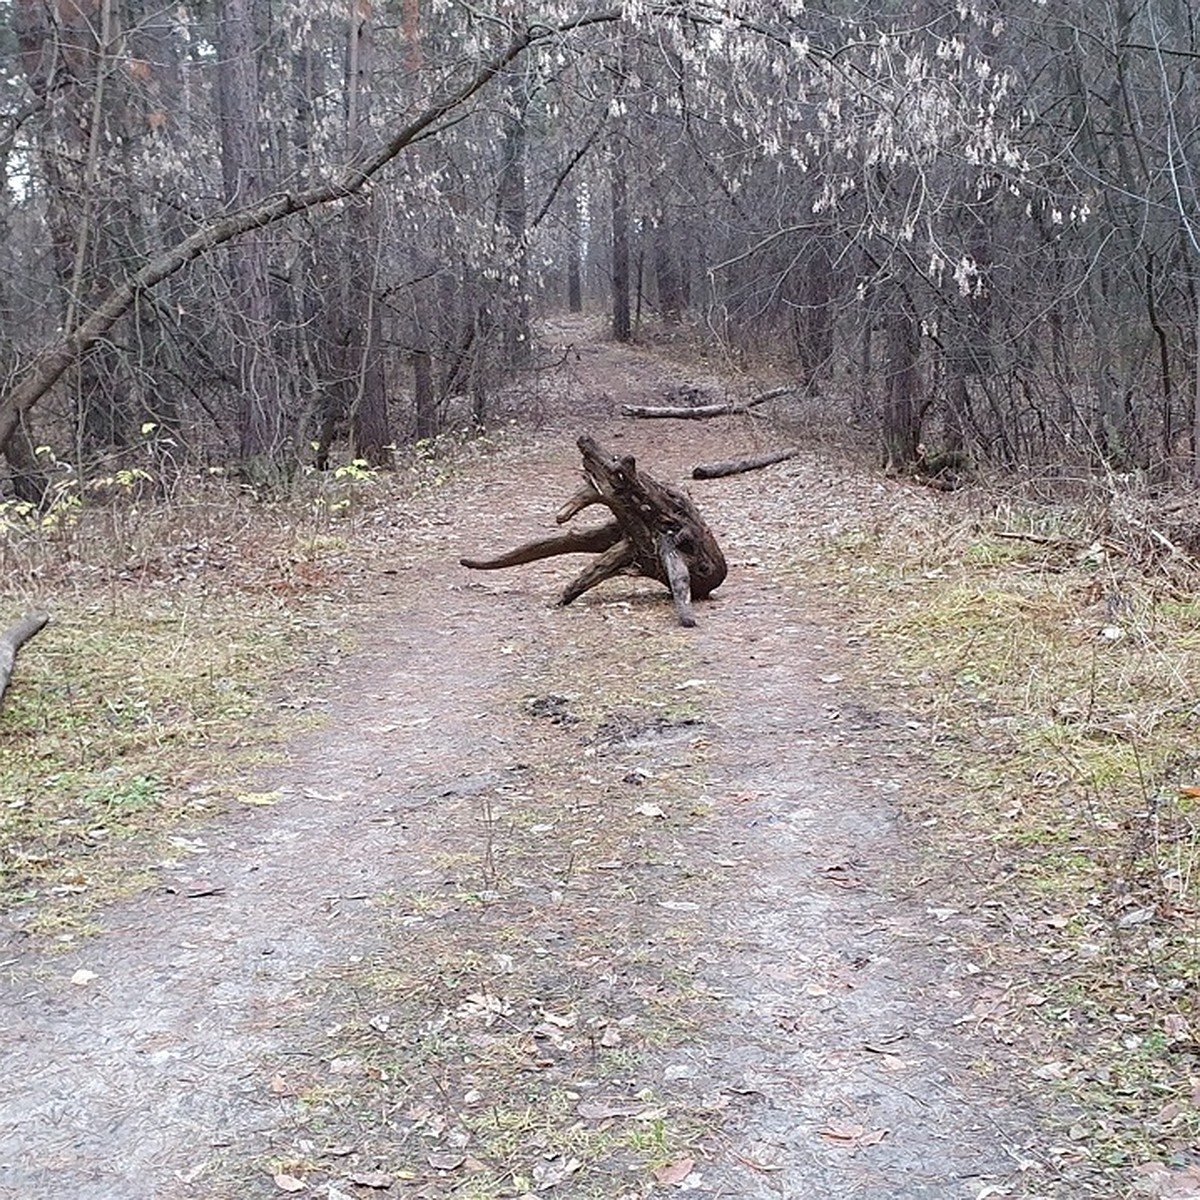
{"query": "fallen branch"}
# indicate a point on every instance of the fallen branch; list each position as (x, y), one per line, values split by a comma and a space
(735, 466)
(701, 412)
(1039, 539)
(12, 639)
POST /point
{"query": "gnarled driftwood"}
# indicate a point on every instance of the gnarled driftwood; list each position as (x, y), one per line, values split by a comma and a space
(656, 531)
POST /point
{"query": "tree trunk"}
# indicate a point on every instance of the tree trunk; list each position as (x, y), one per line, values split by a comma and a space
(574, 252)
(424, 400)
(370, 436)
(260, 420)
(703, 412)
(814, 319)
(622, 328)
(666, 272)
(29, 482)
(737, 466)
(512, 213)
(901, 430)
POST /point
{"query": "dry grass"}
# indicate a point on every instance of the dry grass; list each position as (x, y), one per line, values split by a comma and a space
(1054, 668)
(161, 679)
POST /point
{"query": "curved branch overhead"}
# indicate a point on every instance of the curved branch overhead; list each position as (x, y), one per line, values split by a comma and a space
(48, 367)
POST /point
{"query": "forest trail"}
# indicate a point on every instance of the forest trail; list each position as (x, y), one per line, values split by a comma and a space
(569, 903)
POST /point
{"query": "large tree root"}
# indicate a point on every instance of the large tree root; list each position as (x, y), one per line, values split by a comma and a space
(656, 532)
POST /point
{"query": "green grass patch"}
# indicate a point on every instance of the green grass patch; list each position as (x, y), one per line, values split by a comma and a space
(120, 721)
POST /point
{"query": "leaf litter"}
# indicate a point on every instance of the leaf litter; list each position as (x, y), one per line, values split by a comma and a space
(533, 985)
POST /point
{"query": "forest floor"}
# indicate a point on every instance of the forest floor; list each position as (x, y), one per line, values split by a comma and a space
(526, 901)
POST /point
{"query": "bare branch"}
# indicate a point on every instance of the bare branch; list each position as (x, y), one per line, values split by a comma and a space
(48, 367)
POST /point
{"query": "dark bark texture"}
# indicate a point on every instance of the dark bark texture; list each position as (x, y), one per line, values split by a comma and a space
(656, 532)
(736, 466)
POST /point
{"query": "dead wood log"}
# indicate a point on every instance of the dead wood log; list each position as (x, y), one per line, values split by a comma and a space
(735, 466)
(701, 412)
(12, 639)
(656, 532)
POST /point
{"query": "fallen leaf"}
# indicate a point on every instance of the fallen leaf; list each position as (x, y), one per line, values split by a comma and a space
(675, 1172)
(649, 810)
(852, 1136)
(281, 1087)
(600, 1110)
(568, 1021)
(551, 1174)
(259, 799)
(445, 1160)
(1139, 916)
(481, 1004)
(372, 1179)
(842, 1133)
(1161, 1182)
(611, 1037)
(289, 1183)
(1175, 1026)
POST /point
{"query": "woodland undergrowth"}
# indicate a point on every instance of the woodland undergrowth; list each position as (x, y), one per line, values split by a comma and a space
(1052, 648)
(163, 679)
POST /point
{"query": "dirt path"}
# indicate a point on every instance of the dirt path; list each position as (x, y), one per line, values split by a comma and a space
(566, 902)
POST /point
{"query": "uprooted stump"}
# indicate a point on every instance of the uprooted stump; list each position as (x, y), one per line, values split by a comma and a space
(656, 532)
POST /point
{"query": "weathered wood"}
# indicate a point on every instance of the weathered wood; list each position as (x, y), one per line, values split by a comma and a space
(735, 466)
(12, 639)
(580, 541)
(678, 578)
(656, 532)
(614, 561)
(584, 498)
(702, 412)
